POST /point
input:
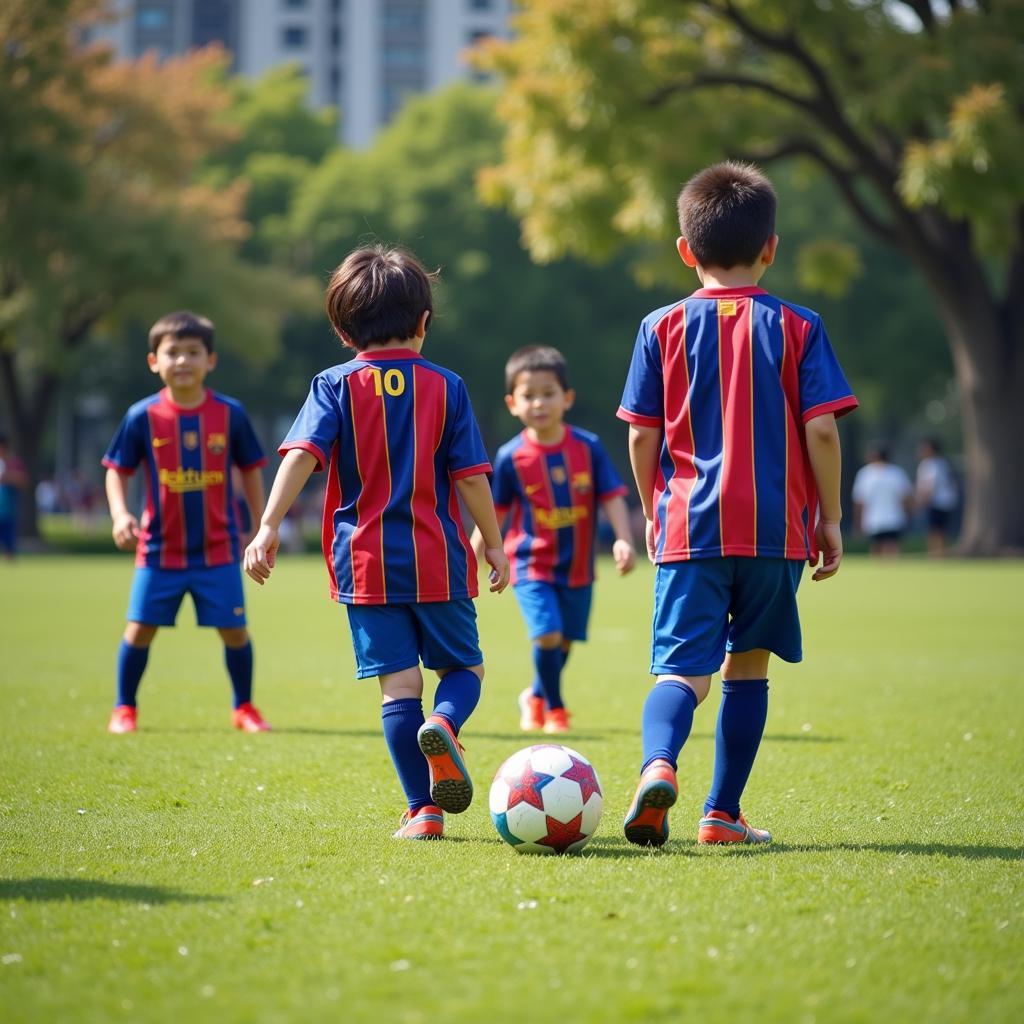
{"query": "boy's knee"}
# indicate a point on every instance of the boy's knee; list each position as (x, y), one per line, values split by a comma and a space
(548, 641)
(234, 636)
(477, 670)
(138, 634)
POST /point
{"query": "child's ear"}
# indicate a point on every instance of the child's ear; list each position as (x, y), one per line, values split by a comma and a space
(769, 250)
(685, 252)
(570, 398)
(152, 363)
(424, 323)
(510, 404)
(211, 361)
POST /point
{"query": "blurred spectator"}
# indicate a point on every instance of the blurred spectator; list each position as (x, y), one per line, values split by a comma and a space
(936, 493)
(48, 499)
(82, 495)
(12, 480)
(882, 502)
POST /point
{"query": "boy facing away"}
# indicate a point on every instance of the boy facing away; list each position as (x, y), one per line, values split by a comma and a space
(551, 479)
(398, 439)
(188, 439)
(732, 398)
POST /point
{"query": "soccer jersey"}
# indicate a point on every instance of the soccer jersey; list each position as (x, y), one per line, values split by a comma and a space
(395, 432)
(189, 520)
(552, 493)
(731, 375)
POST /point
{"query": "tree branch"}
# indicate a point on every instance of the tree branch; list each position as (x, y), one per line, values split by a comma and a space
(710, 79)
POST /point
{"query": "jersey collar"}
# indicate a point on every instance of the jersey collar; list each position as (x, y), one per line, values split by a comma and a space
(388, 353)
(716, 293)
(557, 446)
(165, 397)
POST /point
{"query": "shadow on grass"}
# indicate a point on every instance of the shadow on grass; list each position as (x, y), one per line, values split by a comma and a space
(80, 889)
(951, 850)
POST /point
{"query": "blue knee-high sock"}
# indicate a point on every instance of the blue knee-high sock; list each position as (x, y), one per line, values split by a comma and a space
(741, 718)
(537, 689)
(548, 663)
(131, 663)
(239, 663)
(667, 720)
(457, 694)
(402, 720)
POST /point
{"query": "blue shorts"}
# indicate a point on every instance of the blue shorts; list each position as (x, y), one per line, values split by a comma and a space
(216, 591)
(391, 637)
(551, 608)
(708, 606)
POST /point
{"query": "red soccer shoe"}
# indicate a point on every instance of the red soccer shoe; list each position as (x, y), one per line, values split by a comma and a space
(426, 823)
(247, 718)
(646, 821)
(719, 827)
(123, 719)
(531, 711)
(450, 785)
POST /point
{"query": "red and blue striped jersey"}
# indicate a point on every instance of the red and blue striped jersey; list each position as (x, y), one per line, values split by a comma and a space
(552, 493)
(731, 375)
(395, 432)
(189, 520)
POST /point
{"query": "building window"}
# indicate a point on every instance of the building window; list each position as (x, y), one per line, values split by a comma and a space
(335, 37)
(293, 37)
(335, 81)
(295, 4)
(335, 6)
(153, 19)
(481, 5)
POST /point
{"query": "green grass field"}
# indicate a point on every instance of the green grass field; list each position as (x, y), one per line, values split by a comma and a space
(191, 870)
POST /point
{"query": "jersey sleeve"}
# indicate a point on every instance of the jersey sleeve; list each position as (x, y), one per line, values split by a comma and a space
(128, 446)
(467, 455)
(823, 387)
(607, 482)
(643, 400)
(318, 424)
(246, 450)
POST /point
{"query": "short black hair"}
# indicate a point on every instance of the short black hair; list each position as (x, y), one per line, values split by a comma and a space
(182, 324)
(934, 444)
(378, 292)
(536, 357)
(726, 214)
(879, 451)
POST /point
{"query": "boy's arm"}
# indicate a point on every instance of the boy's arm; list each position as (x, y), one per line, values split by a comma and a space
(475, 492)
(252, 487)
(126, 527)
(644, 449)
(296, 468)
(623, 551)
(826, 464)
(476, 541)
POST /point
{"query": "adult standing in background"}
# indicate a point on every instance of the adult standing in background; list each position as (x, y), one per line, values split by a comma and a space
(12, 479)
(882, 501)
(936, 493)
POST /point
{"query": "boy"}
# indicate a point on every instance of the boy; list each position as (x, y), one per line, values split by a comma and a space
(401, 443)
(732, 397)
(188, 439)
(552, 478)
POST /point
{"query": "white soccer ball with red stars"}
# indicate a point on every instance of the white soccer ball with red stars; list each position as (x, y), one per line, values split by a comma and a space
(546, 799)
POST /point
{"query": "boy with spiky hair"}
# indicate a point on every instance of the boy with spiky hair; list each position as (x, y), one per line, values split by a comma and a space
(732, 398)
(188, 439)
(398, 439)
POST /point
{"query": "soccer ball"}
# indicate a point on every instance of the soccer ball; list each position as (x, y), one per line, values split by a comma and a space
(546, 799)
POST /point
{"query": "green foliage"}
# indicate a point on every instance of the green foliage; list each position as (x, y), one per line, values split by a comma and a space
(191, 872)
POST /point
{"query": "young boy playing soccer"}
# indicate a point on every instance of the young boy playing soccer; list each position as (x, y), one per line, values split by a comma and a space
(397, 436)
(732, 398)
(552, 478)
(188, 439)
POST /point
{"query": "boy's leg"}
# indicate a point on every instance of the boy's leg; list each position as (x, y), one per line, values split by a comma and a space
(538, 602)
(402, 718)
(457, 694)
(238, 659)
(132, 656)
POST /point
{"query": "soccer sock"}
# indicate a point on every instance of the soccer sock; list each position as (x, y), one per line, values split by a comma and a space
(548, 661)
(131, 663)
(667, 720)
(402, 720)
(741, 718)
(239, 663)
(457, 694)
(537, 690)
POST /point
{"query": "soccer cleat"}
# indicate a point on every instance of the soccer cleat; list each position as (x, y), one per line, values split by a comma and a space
(247, 718)
(531, 711)
(556, 720)
(123, 719)
(450, 786)
(426, 823)
(646, 821)
(719, 827)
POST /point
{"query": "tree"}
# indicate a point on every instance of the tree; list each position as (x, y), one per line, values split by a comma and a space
(101, 220)
(911, 109)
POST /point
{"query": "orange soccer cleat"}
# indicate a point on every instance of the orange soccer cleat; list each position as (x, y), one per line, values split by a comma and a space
(556, 720)
(531, 711)
(248, 718)
(646, 821)
(425, 823)
(450, 785)
(123, 718)
(719, 827)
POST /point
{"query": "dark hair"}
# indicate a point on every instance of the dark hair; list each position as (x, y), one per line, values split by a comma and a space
(726, 214)
(934, 444)
(182, 324)
(879, 451)
(378, 293)
(536, 357)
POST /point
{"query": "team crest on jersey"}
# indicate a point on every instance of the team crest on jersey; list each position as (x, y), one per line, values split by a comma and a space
(558, 474)
(581, 482)
(216, 443)
(190, 439)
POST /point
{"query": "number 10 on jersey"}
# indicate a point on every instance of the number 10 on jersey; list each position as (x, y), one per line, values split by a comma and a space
(391, 382)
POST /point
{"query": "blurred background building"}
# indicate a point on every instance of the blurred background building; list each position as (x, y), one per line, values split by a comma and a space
(362, 56)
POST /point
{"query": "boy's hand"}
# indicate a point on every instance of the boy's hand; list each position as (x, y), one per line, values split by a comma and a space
(649, 536)
(830, 543)
(498, 561)
(624, 555)
(261, 554)
(125, 531)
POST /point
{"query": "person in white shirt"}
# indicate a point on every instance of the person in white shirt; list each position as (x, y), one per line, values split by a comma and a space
(936, 493)
(882, 501)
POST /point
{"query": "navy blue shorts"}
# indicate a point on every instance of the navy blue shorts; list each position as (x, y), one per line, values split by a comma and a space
(550, 608)
(391, 637)
(708, 606)
(216, 591)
